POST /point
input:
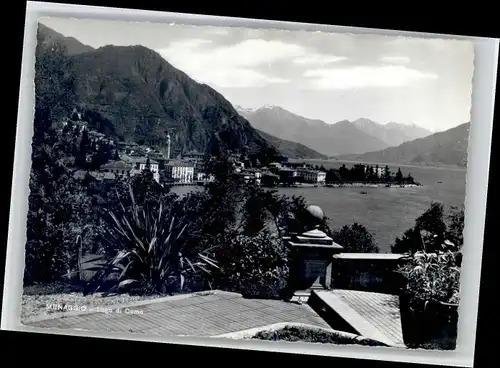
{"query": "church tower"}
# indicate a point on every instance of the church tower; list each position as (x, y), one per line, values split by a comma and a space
(168, 147)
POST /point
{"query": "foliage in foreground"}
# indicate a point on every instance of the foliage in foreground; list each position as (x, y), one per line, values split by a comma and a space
(432, 277)
(303, 334)
(431, 230)
(151, 255)
(256, 266)
(355, 239)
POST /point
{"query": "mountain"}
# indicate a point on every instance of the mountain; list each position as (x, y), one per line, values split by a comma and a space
(329, 139)
(73, 46)
(292, 149)
(133, 93)
(443, 148)
(393, 134)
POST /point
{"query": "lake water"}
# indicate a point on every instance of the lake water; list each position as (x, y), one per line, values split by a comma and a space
(385, 212)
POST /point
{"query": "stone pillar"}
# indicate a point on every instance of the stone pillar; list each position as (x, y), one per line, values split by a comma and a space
(310, 260)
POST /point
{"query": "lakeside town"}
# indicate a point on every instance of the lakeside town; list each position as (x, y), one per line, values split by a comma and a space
(171, 169)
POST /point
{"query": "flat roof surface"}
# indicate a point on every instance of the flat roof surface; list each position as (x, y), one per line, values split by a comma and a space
(385, 256)
(202, 314)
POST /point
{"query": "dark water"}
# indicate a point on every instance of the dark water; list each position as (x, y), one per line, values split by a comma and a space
(386, 212)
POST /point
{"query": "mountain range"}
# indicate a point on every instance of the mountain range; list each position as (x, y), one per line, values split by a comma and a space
(343, 137)
(142, 98)
(442, 148)
(135, 94)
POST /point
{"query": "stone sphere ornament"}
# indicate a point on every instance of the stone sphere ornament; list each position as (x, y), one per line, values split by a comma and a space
(316, 215)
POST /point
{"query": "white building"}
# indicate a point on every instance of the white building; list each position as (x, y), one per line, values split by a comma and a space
(379, 171)
(313, 176)
(202, 177)
(251, 175)
(180, 171)
(139, 164)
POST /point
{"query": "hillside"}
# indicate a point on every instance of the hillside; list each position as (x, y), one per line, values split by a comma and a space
(136, 95)
(292, 149)
(443, 148)
(73, 46)
(393, 134)
(329, 139)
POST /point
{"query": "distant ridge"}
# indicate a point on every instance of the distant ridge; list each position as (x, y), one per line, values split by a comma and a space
(393, 134)
(443, 148)
(328, 139)
(343, 137)
(292, 149)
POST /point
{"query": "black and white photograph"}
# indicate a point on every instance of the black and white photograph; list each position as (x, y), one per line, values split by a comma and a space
(247, 183)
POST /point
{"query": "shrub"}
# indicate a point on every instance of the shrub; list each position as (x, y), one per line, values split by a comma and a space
(432, 277)
(257, 266)
(298, 333)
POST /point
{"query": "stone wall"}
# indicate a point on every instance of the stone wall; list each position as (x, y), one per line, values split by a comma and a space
(366, 272)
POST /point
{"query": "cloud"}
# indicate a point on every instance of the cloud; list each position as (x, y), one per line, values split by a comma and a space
(238, 65)
(318, 59)
(395, 59)
(365, 77)
(229, 66)
(219, 31)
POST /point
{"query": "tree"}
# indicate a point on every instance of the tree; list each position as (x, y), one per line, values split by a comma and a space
(333, 176)
(456, 217)
(387, 174)
(146, 190)
(344, 173)
(409, 179)
(355, 239)
(51, 184)
(85, 145)
(148, 164)
(429, 232)
(399, 176)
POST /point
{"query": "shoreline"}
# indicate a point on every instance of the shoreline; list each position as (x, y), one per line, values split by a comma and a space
(307, 185)
(394, 164)
(351, 185)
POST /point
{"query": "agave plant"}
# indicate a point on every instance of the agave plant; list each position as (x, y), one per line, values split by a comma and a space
(150, 252)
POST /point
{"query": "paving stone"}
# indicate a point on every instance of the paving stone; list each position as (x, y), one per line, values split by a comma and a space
(381, 310)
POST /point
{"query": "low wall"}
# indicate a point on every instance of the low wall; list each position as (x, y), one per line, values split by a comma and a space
(367, 272)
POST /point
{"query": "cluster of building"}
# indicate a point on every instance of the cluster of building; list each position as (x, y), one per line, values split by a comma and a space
(292, 173)
(378, 171)
(188, 168)
(134, 159)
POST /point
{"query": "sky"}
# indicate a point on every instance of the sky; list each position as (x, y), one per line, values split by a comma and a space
(319, 75)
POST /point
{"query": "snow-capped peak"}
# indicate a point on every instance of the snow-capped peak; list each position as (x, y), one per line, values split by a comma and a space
(269, 107)
(243, 109)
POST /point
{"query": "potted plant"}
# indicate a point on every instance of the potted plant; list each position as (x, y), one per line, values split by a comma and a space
(429, 299)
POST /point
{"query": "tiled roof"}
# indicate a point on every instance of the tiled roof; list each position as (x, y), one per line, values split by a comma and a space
(121, 165)
(139, 159)
(179, 163)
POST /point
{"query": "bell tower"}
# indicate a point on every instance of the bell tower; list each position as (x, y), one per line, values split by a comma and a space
(167, 153)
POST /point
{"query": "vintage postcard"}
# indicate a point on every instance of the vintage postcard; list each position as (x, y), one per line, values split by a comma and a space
(247, 183)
